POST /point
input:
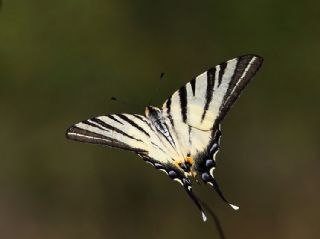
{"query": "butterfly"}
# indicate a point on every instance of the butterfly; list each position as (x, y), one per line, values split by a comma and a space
(183, 137)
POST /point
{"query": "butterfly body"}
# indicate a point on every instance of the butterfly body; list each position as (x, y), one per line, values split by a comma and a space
(183, 137)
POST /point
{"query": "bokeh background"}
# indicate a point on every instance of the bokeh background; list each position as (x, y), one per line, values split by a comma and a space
(61, 61)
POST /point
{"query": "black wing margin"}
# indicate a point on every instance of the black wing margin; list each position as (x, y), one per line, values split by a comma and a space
(246, 68)
(122, 131)
(204, 101)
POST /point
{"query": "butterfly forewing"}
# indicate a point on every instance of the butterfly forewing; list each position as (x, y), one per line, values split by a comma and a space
(123, 131)
(196, 110)
(208, 97)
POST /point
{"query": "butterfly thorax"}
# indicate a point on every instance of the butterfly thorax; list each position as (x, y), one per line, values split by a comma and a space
(184, 163)
(157, 120)
(155, 116)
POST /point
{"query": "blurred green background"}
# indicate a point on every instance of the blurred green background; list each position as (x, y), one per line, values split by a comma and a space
(61, 61)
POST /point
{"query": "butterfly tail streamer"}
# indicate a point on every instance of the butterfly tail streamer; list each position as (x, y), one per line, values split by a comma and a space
(215, 218)
(196, 201)
(201, 204)
(216, 187)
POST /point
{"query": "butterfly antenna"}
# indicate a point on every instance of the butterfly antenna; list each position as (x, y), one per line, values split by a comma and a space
(124, 102)
(157, 87)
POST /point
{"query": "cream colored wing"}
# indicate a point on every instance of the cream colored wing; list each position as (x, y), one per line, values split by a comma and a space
(205, 100)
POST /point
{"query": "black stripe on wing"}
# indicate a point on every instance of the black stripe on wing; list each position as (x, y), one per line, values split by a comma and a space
(183, 102)
(143, 121)
(82, 135)
(168, 106)
(133, 124)
(221, 72)
(103, 124)
(91, 123)
(193, 86)
(106, 130)
(246, 68)
(115, 119)
(209, 93)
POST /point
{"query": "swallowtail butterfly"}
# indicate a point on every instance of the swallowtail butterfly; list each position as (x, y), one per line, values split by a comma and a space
(183, 137)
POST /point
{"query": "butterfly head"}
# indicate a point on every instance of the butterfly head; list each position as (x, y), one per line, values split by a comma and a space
(152, 112)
